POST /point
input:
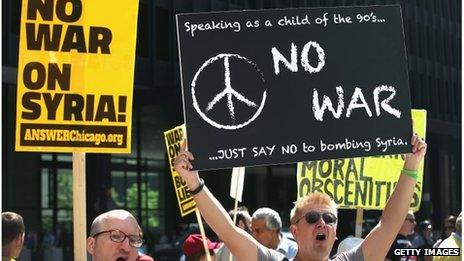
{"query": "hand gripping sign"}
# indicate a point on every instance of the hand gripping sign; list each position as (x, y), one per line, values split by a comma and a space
(360, 182)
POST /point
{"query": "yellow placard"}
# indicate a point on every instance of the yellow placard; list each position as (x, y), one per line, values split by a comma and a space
(360, 182)
(174, 139)
(75, 76)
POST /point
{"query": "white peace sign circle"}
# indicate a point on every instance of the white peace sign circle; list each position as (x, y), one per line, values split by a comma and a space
(229, 92)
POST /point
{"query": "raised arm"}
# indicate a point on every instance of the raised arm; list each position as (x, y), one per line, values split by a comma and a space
(377, 243)
(240, 243)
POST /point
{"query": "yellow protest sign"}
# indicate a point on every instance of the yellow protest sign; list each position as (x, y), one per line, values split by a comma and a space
(174, 139)
(360, 182)
(75, 76)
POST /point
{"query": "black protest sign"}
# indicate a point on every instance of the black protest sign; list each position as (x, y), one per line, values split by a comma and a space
(279, 86)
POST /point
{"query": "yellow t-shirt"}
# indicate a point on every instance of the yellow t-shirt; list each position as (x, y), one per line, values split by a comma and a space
(453, 241)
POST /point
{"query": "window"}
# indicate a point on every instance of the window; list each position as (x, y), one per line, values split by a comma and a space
(162, 34)
(143, 31)
(137, 188)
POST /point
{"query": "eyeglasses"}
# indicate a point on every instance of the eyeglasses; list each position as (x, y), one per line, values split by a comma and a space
(119, 236)
(312, 217)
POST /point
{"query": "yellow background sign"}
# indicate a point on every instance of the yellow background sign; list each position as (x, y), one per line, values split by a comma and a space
(75, 76)
(174, 139)
(360, 182)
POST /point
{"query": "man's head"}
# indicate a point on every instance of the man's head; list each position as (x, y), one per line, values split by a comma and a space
(408, 225)
(114, 235)
(449, 225)
(12, 234)
(314, 225)
(243, 219)
(265, 227)
(194, 250)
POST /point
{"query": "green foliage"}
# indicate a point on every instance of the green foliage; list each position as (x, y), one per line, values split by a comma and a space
(149, 203)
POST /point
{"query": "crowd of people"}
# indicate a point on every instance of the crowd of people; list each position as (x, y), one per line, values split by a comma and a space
(116, 234)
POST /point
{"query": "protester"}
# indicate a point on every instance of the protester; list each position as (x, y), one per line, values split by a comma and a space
(12, 235)
(195, 251)
(449, 224)
(423, 238)
(108, 234)
(453, 241)
(402, 240)
(266, 227)
(243, 219)
(314, 218)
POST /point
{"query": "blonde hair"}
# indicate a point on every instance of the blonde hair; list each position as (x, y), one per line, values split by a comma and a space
(315, 198)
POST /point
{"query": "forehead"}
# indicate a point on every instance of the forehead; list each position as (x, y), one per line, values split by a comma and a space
(127, 225)
(318, 208)
(258, 222)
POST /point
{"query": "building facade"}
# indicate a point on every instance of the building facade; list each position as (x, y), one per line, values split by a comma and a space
(39, 185)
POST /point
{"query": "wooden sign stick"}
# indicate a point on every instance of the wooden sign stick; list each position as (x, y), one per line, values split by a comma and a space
(203, 235)
(359, 222)
(79, 206)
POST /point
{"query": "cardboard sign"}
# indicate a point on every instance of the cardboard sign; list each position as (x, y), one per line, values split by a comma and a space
(174, 139)
(360, 182)
(75, 76)
(279, 86)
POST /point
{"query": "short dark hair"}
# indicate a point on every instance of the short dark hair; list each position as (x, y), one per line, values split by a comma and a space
(12, 227)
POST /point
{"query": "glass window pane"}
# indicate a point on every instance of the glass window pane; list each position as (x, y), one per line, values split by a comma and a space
(132, 190)
(47, 220)
(118, 188)
(65, 193)
(45, 189)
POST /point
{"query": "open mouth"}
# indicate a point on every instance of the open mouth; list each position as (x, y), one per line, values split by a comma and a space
(120, 259)
(321, 237)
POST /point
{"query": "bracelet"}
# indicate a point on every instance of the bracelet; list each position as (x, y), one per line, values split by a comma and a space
(198, 189)
(411, 173)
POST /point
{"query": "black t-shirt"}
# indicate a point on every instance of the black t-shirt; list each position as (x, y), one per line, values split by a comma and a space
(400, 242)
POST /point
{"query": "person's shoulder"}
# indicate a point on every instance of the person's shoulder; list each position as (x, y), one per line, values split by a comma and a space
(267, 254)
(354, 254)
(451, 241)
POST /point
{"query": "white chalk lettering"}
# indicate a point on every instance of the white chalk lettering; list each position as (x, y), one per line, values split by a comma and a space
(345, 145)
(384, 103)
(385, 144)
(213, 25)
(293, 65)
(356, 97)
(327, 104)
(229, 154)
(263, 151)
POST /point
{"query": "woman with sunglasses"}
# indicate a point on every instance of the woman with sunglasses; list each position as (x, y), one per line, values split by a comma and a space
(314, 218)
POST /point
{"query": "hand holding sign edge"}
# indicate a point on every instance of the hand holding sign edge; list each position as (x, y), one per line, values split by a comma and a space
(184, 167)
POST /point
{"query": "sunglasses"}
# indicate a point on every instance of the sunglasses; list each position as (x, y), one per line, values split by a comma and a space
(312, 217)
(119, 236)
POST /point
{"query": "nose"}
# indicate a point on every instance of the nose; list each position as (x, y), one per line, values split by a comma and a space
(321, 223)
(125, 245)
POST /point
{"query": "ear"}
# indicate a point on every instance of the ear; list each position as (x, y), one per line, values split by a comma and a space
(19, 240)
(91, 245)
(294, 231)
(241, 225)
